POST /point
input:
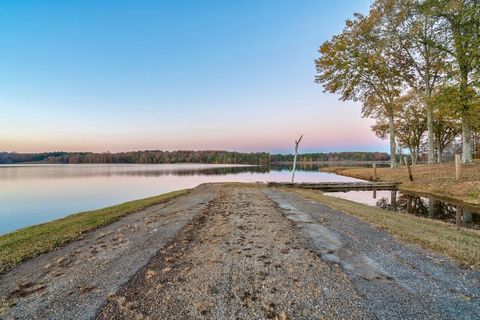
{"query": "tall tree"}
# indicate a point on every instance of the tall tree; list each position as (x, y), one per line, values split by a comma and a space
(447, 123)
(463, 31)
(410, 124)
(414, 35)
(358, 65)
(445, 130)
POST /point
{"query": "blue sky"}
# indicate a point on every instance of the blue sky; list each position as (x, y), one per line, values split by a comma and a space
(131, 75)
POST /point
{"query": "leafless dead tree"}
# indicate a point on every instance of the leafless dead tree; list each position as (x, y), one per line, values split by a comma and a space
(297, 142)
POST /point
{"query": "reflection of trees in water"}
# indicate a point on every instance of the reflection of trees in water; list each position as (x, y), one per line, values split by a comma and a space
(111, 170)
(389, 204)
(117, 170)
(425, 207)
(384, 203)
(86, 171)
(188, 172)
(300, 166)
(191, 172)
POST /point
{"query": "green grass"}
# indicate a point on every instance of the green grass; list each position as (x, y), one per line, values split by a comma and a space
(461, 244)
(31, 241)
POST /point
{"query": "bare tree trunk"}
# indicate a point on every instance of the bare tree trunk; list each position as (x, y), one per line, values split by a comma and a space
(431, 154)
(466, 129)
(458, 167)
(428, 95)
(439, 153)
(297, 142)
(393, 156)
(467, 142)
(413, 154)
(474, 145)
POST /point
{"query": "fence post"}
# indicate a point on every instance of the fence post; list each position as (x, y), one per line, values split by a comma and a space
(374, 166)
(458, 167)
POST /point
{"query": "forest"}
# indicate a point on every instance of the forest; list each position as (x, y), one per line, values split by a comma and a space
(414, 65)
(157, 156)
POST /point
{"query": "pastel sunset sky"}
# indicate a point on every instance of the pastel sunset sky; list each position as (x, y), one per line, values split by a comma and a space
(134, 75)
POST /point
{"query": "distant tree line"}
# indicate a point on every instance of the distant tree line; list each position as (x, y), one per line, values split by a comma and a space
(333, 156)
(148, 156)
(415, 67)
(157, 156)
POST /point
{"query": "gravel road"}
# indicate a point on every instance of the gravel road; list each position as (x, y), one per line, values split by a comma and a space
(241, 259)
(234, 252)
(396, 280)
(74, 281)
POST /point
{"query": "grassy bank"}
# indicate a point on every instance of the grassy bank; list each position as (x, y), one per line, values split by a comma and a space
(31, 241)
(435, 179)
(463, 245)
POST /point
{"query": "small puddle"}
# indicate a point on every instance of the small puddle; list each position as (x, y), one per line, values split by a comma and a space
(424, 206)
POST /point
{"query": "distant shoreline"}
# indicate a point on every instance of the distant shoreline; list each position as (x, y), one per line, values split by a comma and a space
(201, 163)
(336, 162)
(187, 156)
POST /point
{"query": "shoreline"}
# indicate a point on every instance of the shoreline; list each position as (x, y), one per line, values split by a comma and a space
(243, 246)
(26, 243)
(427, 181)
(29, 242)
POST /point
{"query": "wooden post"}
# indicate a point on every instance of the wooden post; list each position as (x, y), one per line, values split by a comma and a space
(374, 166)
(410, 177)
(458, 167)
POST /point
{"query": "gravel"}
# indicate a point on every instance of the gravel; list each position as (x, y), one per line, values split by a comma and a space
(241, 259)
(239, 252)
(74, 281)
(396, 280)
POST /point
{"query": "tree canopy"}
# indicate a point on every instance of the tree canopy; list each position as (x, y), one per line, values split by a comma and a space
(410, 59)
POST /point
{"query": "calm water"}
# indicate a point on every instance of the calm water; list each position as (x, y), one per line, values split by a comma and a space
(32, 194)
(423, 206)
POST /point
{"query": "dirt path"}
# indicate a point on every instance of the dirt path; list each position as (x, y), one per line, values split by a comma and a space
(241, 259)
(75, 281)
(233, 252)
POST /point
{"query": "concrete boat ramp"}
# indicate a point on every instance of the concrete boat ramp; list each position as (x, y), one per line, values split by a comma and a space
(239, 252)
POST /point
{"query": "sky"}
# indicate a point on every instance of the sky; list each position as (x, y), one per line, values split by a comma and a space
(135, 75)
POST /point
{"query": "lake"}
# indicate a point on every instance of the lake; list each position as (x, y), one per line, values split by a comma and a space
(36, 193)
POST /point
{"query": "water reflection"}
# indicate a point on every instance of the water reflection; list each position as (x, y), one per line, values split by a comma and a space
(32, 194)
(428, 207)
(89, 170)
(142, 170)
